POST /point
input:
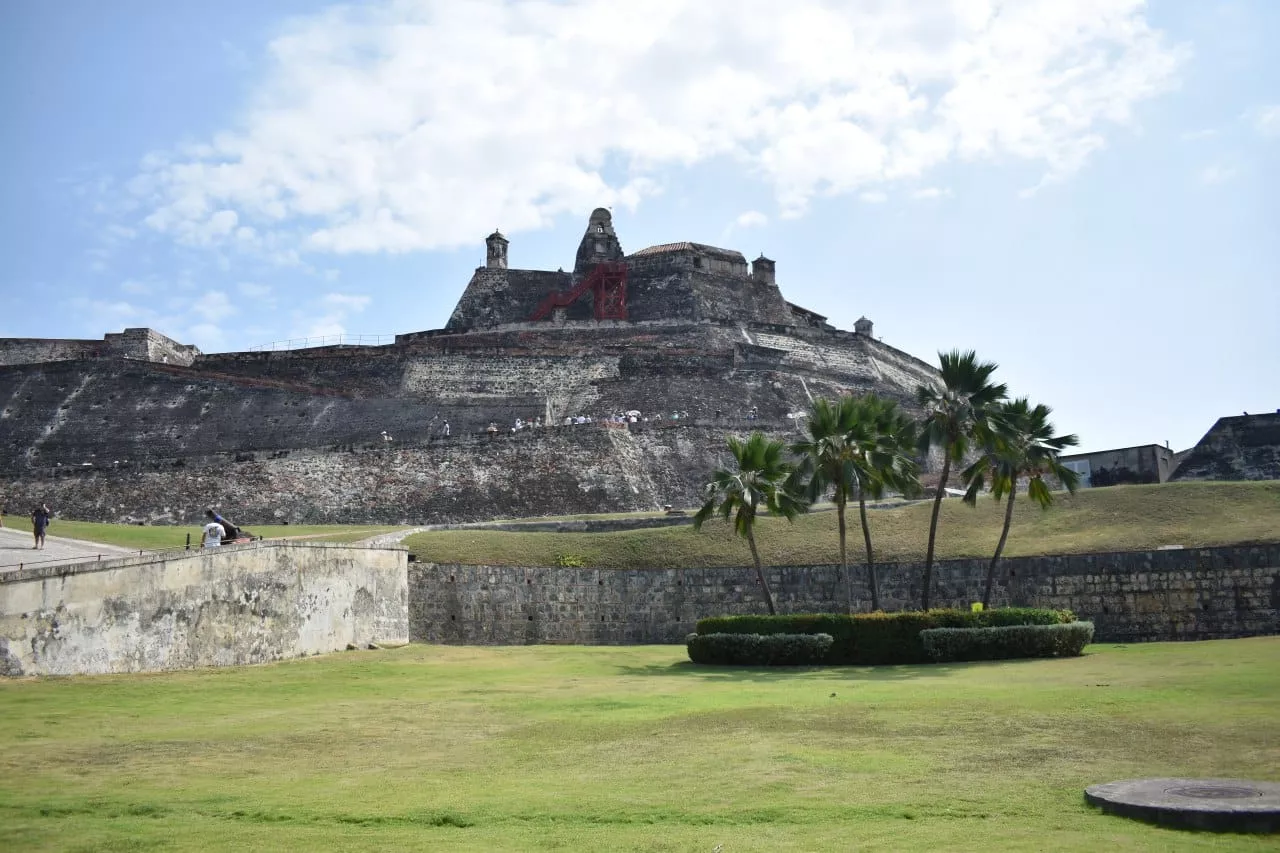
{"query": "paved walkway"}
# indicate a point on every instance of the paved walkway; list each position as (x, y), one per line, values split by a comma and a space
(15, 549)
(389, 540)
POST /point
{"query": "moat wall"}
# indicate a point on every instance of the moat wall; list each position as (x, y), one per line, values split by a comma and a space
(227, 606)
(1208, 593)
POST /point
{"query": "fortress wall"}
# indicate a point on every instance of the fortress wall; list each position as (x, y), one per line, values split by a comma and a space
(561, 470)
(508, 381)
(37, 350)
(229, 606)
(149, 345)
(1130, 597)
(66, 414)
(657, 290)
(142, 344)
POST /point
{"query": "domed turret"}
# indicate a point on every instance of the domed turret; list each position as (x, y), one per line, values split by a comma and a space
(763, 270)
(496, 256)
(863, 326)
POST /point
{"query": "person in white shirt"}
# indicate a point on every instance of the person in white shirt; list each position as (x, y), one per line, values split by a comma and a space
(213, 533)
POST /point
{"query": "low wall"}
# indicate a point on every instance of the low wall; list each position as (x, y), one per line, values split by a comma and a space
(233, 605)
(1130, 597)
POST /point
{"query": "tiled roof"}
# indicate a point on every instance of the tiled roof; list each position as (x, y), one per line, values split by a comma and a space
(663, 248)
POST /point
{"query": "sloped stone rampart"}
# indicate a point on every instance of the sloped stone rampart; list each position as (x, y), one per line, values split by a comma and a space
(1243, 447)
(227, 606)
(550, 471)
(1210, 593)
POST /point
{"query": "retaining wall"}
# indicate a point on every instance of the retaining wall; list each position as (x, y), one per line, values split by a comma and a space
(1130, 597)
(227, 606)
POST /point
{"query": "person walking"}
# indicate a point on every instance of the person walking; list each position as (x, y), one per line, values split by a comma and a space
(39, 523)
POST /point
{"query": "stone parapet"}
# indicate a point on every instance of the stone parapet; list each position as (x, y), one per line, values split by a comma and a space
(1194, 594)
(181, 609)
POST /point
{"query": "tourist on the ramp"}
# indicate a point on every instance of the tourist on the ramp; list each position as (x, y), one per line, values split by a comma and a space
(39, 523)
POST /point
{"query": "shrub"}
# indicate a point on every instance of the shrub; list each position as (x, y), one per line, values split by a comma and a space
(571, 561)
(880, 638)
(1009, 641)
(759, 649)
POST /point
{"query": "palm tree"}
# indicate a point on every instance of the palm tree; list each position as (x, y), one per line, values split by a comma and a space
(858, 447)
(884, 443)
(952, 413)
(762, 476)
(827, 460)
(1018, 442)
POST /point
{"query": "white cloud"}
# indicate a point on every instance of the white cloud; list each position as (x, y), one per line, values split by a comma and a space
(1204, 133)
(751, 219)
(328, 316)
(874, 197)
(213, 305)
(931, 193)
(1266, 119)
(345, 302)
(1217, 173)
(255, 291)
(192, 320)
(407, 125)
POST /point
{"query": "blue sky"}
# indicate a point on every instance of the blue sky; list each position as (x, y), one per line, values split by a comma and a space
(1083, 192)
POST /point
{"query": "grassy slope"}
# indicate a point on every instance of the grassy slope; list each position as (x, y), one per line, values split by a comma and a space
(155, 537)
(1120, 518)
(632, 748)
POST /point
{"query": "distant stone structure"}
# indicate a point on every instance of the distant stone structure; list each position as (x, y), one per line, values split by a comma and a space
(138, 344)
(1244, 447)
(1146, 463)
(140, 428)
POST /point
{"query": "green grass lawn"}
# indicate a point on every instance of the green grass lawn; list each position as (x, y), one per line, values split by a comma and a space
(152, 537)
(1120, 518)
(629, 748)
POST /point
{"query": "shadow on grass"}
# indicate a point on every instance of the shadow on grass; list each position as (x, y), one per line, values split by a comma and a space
(833, 672)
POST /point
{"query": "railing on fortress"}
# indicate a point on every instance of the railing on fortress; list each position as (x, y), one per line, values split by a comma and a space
(326, 341)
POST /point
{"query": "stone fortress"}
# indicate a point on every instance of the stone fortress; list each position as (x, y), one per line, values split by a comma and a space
(139, 428)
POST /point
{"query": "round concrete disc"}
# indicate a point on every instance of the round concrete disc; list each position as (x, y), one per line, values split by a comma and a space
(1221, 805)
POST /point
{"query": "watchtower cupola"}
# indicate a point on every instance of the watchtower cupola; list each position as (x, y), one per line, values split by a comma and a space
(496, 254)
(863, 326)
(599, 244)
(762, 271)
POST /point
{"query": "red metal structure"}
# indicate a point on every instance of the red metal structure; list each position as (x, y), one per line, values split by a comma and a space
(608, 285)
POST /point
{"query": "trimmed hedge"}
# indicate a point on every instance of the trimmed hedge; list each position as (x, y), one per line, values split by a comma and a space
(759, 649)
(880, 638)
(1009, 641)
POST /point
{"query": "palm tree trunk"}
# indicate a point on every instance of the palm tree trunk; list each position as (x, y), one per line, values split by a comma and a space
(841, 500)
(871, 564)
(1004, 534)
(764, 582)
(933, 528)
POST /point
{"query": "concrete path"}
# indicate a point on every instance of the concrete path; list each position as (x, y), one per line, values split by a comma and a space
(389, 540)
(15, 549)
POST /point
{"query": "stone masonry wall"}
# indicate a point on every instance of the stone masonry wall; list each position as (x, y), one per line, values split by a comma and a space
(229, 606)
(561, 470)
(1130, 597)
